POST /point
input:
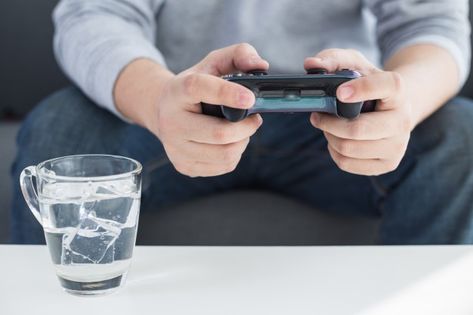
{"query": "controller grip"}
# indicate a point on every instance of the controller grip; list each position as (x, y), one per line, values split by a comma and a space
(212, 110)
(369, 106)
(349, 110)
(231, 114)
(353, 110)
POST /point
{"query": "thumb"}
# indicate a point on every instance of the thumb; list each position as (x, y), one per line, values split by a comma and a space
(240, 57)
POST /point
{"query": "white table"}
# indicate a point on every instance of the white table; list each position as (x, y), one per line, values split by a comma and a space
(255, 280)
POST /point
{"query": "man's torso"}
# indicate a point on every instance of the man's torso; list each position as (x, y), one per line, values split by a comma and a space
(284, 32)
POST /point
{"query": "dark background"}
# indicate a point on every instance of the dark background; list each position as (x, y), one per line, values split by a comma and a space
(28, 71)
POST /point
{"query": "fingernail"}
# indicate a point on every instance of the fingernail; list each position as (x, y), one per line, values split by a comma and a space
(313, 59)
(260, 119)
(345, 92)
(315, 118)
(244, 99)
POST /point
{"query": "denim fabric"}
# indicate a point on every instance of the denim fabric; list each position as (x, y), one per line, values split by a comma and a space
(427, 200)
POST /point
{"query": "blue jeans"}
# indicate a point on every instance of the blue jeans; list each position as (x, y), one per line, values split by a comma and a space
(427, 200)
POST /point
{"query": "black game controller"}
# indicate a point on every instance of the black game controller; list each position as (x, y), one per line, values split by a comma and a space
(311, 92)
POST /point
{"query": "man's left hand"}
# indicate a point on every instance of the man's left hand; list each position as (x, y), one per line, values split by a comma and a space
(375, 142)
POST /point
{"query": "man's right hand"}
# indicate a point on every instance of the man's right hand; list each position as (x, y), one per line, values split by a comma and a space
(169, 106)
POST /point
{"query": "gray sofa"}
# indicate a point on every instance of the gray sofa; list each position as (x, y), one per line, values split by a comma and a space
(29, 73)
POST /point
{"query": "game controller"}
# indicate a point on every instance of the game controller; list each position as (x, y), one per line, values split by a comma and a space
(311, 92)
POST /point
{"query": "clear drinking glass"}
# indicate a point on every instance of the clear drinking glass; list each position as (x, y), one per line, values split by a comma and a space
(88, 206)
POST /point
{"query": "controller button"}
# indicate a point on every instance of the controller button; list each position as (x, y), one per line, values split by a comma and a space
(344, 72)
(316, 71)
(258, 72)
(232, 75)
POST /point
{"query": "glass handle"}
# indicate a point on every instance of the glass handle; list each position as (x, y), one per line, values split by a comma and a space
(27, 188)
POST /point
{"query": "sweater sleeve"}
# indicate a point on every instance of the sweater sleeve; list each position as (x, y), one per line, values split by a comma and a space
(402, 23)
(96, 39)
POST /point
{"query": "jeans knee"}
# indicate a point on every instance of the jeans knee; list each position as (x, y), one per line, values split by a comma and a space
(429, 199)
(456, 118)
(65, 123)
(450, 129)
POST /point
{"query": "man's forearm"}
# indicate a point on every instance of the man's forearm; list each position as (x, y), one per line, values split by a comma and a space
(431, 77)
(137, 90)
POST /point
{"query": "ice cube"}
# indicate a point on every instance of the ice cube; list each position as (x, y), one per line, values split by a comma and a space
(92, 242)
(115, 210)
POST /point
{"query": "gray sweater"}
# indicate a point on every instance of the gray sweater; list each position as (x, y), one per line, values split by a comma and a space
(96, 39)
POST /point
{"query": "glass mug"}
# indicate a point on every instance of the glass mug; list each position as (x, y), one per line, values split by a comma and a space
(88, 206)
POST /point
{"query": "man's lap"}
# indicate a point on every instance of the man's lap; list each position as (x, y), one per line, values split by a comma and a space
(287, 155)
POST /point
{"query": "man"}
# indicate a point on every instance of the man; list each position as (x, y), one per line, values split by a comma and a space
(151, 63)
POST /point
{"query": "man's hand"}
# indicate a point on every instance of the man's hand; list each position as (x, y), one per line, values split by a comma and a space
(375, 142)
(199, 145)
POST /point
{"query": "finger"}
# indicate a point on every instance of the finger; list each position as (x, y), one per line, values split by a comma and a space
(212, 153)
(213, 130)
(194, 88)
(239, 57)
(368, 126)
(367, 149)
(200, 169)
(384, 86)
(337, 59)
(371, 167)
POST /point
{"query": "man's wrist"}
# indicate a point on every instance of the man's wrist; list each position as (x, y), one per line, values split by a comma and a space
(138, 89)
(430, 75)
